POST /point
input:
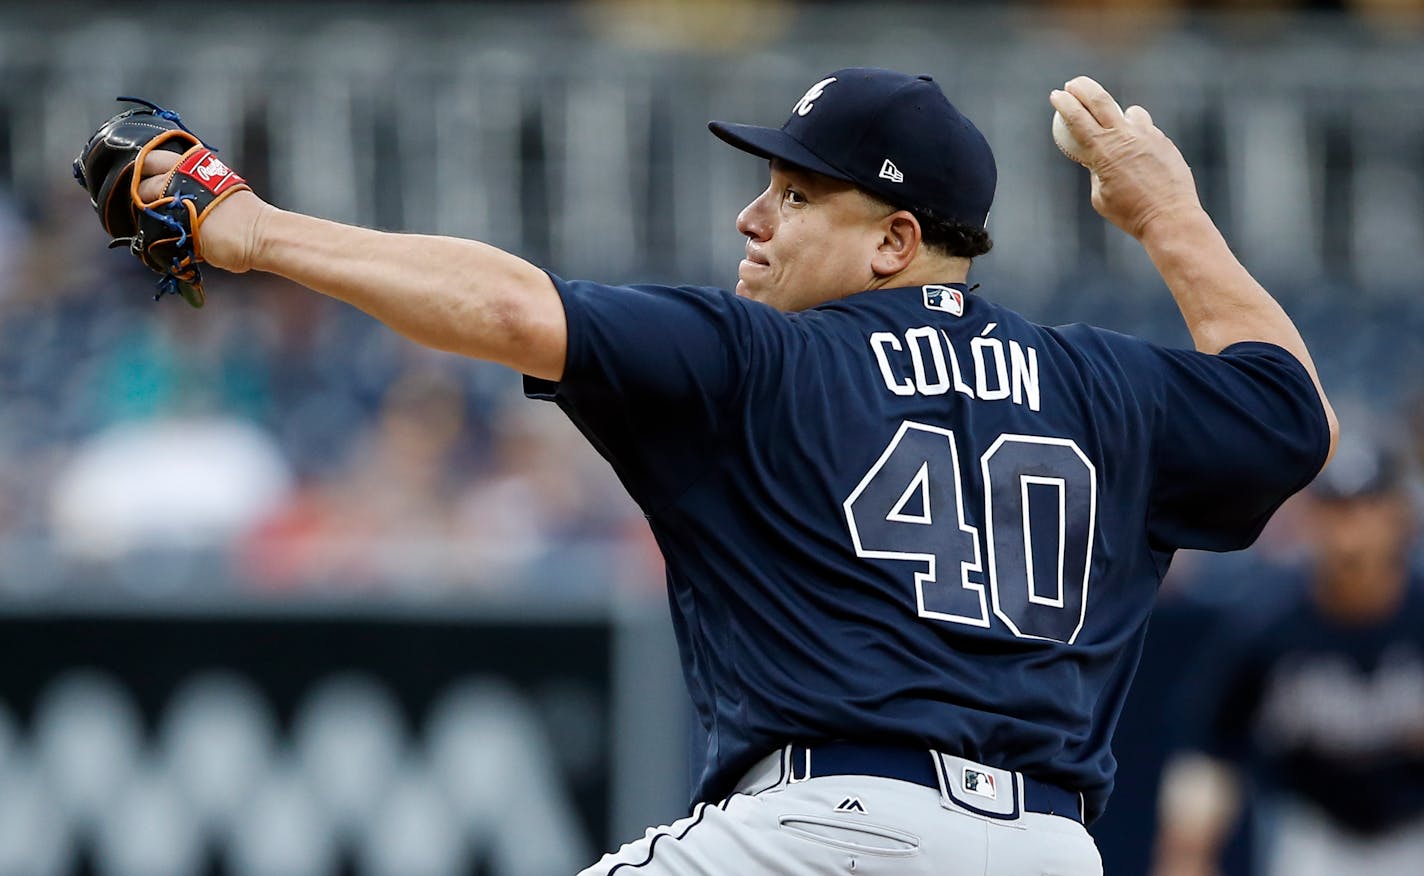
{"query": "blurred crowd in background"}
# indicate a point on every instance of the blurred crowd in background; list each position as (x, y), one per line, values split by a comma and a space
(287, 440)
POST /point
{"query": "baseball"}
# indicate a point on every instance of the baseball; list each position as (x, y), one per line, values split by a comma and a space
(1064, 139)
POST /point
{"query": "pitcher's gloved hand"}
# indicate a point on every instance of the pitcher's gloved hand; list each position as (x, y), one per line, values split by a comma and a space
(165, 232)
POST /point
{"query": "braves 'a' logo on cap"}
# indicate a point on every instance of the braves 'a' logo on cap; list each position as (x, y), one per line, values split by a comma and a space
(808, 100)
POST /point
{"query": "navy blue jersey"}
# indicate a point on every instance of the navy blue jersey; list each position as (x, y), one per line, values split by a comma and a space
(1330, 711)
(911, 516)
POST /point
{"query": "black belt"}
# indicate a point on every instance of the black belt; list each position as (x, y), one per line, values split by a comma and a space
(916, 765)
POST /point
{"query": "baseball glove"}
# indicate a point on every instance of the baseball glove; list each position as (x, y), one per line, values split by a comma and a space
(164, 234)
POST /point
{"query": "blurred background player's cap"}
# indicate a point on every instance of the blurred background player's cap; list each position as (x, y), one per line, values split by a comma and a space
(894, 135)
(1364, 466)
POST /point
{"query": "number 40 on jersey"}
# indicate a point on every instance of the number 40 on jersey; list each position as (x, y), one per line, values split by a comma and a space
(1040, 500)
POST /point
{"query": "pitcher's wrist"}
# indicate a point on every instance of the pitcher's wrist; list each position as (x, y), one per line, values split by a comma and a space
(1176, 224)
(227, 235)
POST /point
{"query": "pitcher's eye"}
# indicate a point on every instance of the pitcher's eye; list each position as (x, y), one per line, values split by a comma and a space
(794, 198)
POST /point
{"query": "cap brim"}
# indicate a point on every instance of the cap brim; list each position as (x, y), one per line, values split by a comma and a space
(773, 143)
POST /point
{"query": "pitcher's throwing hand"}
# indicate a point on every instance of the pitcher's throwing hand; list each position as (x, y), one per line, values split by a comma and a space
(1138, 173)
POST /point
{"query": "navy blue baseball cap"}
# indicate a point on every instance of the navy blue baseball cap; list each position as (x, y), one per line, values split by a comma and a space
(894, 135)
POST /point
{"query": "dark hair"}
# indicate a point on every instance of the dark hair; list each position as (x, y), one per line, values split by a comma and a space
(947, 237)
(952, 238)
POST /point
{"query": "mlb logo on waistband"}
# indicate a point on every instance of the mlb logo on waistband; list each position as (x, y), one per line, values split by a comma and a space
(944, 298)
(979, 783)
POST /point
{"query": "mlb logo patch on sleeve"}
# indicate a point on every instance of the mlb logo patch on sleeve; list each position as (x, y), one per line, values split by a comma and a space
(944, 298)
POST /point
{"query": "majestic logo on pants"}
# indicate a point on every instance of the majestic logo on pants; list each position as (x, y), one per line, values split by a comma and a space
(851, 804)
(979, 783)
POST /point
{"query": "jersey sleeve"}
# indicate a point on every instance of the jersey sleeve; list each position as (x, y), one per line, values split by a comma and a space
(1236, 433)
(651, 372)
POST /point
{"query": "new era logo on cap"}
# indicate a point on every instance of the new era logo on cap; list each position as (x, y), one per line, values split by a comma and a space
(846, 125)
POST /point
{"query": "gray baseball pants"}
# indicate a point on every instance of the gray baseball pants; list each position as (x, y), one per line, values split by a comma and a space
(862, 825)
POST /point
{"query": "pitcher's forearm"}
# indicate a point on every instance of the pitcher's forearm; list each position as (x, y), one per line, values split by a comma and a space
(456, 295)
(1219, 299)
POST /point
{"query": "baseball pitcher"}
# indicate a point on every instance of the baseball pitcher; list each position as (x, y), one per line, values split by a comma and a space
(912, 538)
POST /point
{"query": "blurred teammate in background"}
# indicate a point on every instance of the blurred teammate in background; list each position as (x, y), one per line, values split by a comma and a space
(1315, 707)
(912, 538)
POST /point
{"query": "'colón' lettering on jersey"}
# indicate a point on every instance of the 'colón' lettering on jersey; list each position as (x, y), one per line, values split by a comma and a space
(925, 361)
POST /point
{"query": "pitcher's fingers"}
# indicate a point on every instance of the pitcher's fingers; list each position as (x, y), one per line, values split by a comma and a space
(1096, 99)
(1138, 115)
(1081, 123)
(150, 188)
(160, 161)
(156, 166)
